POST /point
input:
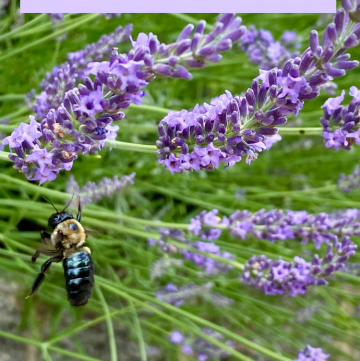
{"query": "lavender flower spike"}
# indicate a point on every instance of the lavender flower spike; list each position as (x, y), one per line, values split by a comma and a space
(347, 183)
(312, 354)
(277, 225)
(280, 277)
(106, 187)
(263, 50)
(231, 127)
(64, 77)
(341, 123)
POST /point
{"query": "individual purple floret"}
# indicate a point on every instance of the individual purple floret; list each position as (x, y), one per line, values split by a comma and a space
(281, 277)
(64, 77)
(177, 296)
(340, 123)
(207, 219)
(312, 354)
(347, 183)
(231, 127)
(200, 348)
(94, 192)
(263, 50)
(277, 225)
(210, 265)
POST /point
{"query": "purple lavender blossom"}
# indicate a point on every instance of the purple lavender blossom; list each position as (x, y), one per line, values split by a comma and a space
(281, 277)
(347, 183)
(345, 121)
(84, 119)
(235, 126)
(263, 50)
(200, 348)
(312, 354)
(277, 225)
(207, 219)
(64, 77)
(106, 187)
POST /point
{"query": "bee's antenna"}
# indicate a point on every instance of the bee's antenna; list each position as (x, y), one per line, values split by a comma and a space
(69, 202)
(51, 204)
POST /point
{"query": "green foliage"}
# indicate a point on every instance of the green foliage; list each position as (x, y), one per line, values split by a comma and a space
(298, 173)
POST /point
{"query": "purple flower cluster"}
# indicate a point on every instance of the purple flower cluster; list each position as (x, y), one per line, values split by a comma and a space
(64, 77)
(83, 120)
(200, 348)
(281, 277)
(347, 183)
(345, 121)
(312, 354)
(231, 127)
(263, 50)
(277, 225)
(210, 265)
(106, 187)
(177, 296)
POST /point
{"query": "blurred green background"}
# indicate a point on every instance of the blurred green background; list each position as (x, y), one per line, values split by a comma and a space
(123, 320)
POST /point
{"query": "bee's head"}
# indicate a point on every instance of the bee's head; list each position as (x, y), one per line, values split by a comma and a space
(58, 218)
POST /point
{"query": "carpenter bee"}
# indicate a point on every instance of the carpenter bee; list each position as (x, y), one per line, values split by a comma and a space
(68, 239)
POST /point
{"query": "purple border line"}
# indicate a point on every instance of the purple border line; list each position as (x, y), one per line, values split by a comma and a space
(183, 6)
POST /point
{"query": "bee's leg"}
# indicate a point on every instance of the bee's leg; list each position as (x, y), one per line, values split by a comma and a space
(45, 237)
(78, 217)
(41, 276)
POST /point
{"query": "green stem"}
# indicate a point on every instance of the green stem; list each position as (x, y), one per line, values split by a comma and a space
(20, 111)
(50, 36)
(301, 131)
(133, 147)
(140, 337)
(252, 345)
(21, 28)
(12, 97)
(151, 108)
(4, 156)
(109, 325)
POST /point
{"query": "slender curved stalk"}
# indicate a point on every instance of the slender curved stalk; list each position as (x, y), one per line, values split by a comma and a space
(301, 131)
(4, 156)
(131, 146)
(49, 37)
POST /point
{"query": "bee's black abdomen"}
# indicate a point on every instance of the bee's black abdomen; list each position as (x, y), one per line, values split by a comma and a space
(79, 275)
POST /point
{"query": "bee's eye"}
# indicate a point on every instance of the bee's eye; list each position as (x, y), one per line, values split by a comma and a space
(73, 226)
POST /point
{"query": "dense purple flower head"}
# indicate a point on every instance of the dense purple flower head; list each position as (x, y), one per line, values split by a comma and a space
(64, 77)
(231, 127)
(312, 354)
(293, 278)
(341, 123)
(263, 50)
